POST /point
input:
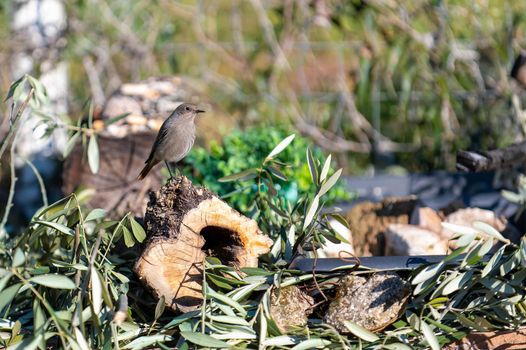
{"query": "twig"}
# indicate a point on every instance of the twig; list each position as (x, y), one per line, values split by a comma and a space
(14, 122)
(94, 81)
(40, 182)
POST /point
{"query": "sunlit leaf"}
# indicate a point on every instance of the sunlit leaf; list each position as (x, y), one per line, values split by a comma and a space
(311, 212)
(204, 340)
(430, 336)
(18, 258)
(55, 225)
(331, 181)
(147, 341)
(95, 214)
(427, 273)
(313, 168)
(96, 290)
(360, 332)
(489, 230)
(280, 147)
(93, 154)
(8, 294)
(458, 282)
(53, 281)
(325, 169)
(312, 343)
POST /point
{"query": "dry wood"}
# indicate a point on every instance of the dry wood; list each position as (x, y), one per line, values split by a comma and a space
(491, 160)
(115, 184)
(184, 225)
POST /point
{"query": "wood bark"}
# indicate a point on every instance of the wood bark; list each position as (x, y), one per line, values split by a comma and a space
(492, 160)
(116, 187)
(185, 224)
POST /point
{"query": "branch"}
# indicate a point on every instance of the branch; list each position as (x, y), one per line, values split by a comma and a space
(491, 160)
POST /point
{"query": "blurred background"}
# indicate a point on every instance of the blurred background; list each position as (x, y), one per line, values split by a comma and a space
(384, 86)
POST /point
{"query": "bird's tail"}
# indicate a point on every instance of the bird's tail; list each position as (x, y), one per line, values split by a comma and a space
(150, 163)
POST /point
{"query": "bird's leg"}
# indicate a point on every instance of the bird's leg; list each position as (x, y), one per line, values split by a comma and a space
(169, 169)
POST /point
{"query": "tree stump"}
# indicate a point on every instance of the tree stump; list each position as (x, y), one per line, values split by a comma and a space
(185, 224)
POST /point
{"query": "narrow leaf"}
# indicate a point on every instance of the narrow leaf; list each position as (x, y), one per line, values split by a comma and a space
(93, 154)
(325, 169)
(313, 169)
(311, 212)
(281, 146)
(430, 336)
(53, 281)
(55, 225)
(312, 343)
(360, 332)
(330, 182)
(241, 176)
(204, 340)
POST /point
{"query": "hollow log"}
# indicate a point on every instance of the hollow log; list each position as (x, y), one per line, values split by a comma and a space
(184, 224)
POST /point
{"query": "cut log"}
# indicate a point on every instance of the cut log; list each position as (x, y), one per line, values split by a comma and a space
(185, 224)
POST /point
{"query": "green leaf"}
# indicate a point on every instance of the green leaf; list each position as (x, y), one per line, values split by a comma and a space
(14, 86)
(493, 261)
(204, 340)
(281, 340)
(313, 169)
(230, 320)
(18, 258)
(147, 341)
(427, 273)
(430, 336)
(95, 214)
(458, 282)
(116, 119)
(55, 225)
(330, 182)
(311, 212)
(128, 238)
(325, 169)
(159, 308)
(280, 147)
(459, 229)
(181, 318)
(360, 332)
(312, 343)
(53, 281)
(138, 230)
(93, 154)
(397, 346)
(96, 291)
(241, 176)
(4, 280)
(340, 219)
(8, 294)
(70, 144)
(489, 230)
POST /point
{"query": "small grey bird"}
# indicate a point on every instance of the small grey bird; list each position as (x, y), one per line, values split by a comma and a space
(175, 138)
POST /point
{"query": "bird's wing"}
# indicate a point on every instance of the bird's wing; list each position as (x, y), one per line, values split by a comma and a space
(160, 137)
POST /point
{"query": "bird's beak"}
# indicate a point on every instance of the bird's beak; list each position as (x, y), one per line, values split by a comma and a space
(199, 111)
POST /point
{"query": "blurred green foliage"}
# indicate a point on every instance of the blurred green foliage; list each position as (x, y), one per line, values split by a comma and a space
(242, 150)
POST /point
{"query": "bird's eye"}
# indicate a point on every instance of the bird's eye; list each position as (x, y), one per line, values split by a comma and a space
(187, 108)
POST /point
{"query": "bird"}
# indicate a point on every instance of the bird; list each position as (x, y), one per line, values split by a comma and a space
(174, 140)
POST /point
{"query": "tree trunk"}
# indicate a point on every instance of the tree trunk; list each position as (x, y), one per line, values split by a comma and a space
(184, 225)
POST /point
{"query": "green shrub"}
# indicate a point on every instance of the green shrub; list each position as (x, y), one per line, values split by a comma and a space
(242, 150)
